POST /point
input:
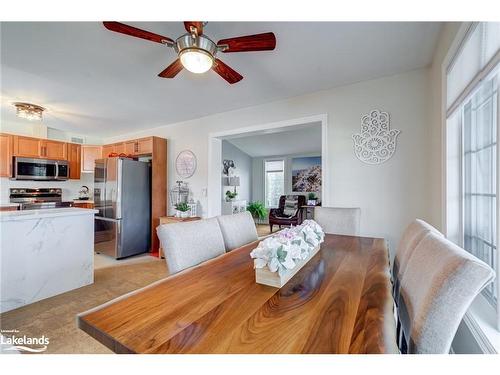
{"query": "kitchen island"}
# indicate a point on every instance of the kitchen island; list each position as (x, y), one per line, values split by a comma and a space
(44, 253)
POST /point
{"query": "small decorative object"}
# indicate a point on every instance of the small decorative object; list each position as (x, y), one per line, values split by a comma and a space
(185, 164)
(279, 257)
(192, 208)
(84, 193)
(180, 193)
(312, 199)
(258, 211)
(29, 111)
(306, 174)
(230, 195)
(182, 210)
(376, 142)
(227, 164)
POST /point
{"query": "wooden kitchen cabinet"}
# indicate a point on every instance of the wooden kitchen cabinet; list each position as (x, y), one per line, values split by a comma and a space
(54, 149)
(107, 149)
(75, 160)
(89, 155)
(130, 147)
(30, 147)
(6, 143)
(83, 204)
(119, 148)
(144, 146)
(27, 147)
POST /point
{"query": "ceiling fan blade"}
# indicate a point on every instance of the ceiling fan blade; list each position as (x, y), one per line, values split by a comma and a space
(198, 25)
(172, 70)
(226, 72)
(138, 33)
(257, 42)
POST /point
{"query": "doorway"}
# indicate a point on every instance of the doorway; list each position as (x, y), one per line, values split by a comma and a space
(296, 134)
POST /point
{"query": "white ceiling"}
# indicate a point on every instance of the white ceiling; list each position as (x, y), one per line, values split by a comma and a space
(302, 140)
(101, 83)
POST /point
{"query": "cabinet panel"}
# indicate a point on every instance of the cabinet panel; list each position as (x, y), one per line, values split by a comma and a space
(54, 149)
(145, 146)
(119, 148)
(106, 150)
(27, 147)
(131, 147)
(89, 156)
(6, 143)
(74, 158)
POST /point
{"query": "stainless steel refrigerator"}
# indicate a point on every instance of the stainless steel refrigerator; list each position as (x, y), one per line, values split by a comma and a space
(122, 194)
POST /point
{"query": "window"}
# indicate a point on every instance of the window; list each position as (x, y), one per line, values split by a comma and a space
(472, 121)
(275, 181)
(479, 160)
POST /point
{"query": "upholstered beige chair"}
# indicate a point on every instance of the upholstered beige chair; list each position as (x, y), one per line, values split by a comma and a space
(237, 230)
(413, 234)
(338, 220)
(440, 282)
(190, 243)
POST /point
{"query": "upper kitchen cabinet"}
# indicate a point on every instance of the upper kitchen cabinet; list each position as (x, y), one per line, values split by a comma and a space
(89, 155)
(75, 160)
(119, 148)
(27, 147)
(6, 155)
(144, 146)
(107, 149)
(54, 149)
(38, 148)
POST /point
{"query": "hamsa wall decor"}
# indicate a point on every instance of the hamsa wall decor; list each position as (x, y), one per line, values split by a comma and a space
(376, 142)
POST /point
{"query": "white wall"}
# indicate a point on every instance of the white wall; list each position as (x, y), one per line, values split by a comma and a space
(258, 188)
(243, 164)
(390, 195)
(436, 130)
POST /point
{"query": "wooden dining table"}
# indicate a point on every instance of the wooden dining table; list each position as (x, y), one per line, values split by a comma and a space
(339, 302)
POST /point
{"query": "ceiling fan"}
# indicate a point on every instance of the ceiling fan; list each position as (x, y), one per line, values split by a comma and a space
(197, 52)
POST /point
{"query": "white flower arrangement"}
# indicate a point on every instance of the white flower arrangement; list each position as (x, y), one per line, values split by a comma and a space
(281, 251)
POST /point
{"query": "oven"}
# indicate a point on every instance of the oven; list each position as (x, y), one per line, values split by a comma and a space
(40, 169)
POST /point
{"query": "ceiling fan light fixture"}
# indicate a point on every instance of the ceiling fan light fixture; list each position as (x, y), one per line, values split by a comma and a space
(29, 111)
(196, 60)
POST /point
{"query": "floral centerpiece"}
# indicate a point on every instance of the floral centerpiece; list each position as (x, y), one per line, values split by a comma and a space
(281, 252)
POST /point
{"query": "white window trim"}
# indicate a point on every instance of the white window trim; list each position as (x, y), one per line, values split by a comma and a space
(486, 334)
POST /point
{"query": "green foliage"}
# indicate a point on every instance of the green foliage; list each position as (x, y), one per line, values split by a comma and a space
(183, 207)
(231, 194)
(311, 196)
(257, 210)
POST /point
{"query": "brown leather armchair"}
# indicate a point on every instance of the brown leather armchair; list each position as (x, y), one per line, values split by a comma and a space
(276, 215)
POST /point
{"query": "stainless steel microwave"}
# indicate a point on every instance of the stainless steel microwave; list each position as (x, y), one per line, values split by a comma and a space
(40, 169)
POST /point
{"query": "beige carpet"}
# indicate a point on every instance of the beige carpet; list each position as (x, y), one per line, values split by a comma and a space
(55, 317)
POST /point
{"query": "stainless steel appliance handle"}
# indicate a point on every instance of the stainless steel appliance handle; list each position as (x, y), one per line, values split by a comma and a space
(57, 170)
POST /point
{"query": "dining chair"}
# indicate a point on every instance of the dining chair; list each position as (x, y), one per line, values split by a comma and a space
(413, 234)
(440, 282)
(237, 230)
(187, 244)
(338, 220)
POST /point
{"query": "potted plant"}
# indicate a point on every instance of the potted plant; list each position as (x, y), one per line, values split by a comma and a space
(182, 210)
(257, 209)
(312, 200)
(230, 195)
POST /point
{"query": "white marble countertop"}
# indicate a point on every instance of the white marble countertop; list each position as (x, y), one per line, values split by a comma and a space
(43, 213)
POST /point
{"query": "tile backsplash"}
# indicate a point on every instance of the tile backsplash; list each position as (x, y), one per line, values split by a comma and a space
(70, 188)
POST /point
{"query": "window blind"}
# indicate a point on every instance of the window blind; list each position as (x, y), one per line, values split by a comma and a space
(478, 53)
